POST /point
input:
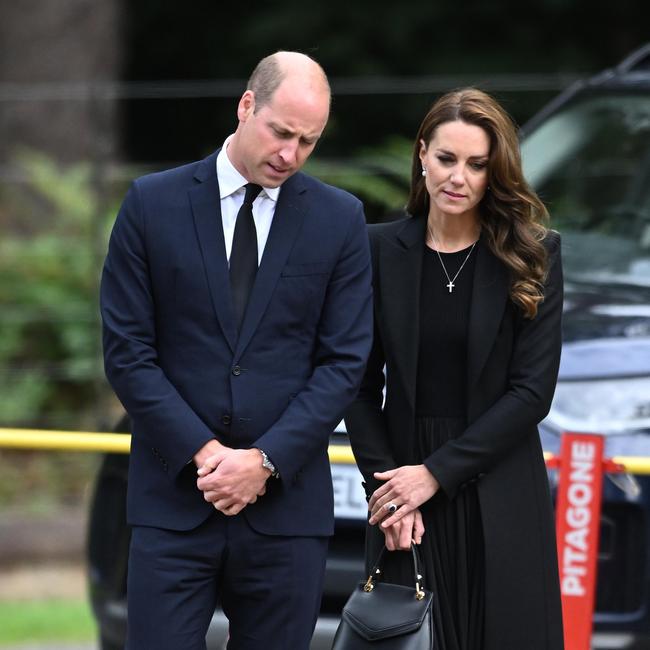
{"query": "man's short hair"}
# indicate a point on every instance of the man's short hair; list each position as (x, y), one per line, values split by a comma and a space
(270, 72)
(265, 79)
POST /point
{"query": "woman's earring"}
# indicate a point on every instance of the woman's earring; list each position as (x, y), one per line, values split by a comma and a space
(424, 170)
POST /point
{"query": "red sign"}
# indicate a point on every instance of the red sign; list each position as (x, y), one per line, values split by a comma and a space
(578, 521)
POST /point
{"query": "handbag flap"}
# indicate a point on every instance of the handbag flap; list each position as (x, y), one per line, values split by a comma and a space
(386, 611)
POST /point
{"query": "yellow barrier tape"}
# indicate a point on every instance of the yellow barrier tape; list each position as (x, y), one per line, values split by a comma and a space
(119, 443)
(116, 443)
(632, 464)
(341, 454)
(65, 440)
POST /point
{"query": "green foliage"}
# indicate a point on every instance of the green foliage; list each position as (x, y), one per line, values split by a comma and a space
(49, 269)
(48, 620)
(379, 176)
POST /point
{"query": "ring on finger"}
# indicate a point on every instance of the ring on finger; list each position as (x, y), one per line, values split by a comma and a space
(391, 507)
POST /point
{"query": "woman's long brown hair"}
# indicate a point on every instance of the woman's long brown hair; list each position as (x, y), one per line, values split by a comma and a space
(512, 215)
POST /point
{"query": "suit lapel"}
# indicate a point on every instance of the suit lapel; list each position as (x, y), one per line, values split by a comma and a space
(287, 220)
(206, 209)
(400, 277)
(489, 296)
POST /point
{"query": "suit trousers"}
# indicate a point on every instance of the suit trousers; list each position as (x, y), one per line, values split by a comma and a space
(269, 586)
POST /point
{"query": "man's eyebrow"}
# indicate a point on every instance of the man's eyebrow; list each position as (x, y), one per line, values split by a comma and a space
(286, 129)
(280, 127)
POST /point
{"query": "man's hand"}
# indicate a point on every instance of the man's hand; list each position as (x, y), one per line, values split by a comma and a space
(232, 479)
(406, 487)
(210, 449)
(409, 529)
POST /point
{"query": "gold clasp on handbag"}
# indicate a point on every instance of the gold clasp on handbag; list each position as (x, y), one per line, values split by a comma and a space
(419, 593)
(370, 585)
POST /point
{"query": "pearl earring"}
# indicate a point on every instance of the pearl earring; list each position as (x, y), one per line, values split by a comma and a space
(424, 170)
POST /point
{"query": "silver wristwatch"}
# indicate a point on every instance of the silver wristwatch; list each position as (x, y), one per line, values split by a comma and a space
(266, 462)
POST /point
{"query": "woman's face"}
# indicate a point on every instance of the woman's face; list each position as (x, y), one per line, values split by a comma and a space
(456, 161)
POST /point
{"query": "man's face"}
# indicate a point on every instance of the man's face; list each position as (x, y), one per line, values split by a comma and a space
(273, 143)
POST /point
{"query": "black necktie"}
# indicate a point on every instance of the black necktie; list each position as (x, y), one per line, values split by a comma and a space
(243, 255)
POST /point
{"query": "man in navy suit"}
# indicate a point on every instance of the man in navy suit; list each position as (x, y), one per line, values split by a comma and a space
(243, 391)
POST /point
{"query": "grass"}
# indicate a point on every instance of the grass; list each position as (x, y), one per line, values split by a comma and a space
(46, 620)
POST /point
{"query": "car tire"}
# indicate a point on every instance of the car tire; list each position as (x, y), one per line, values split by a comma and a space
(106, 644)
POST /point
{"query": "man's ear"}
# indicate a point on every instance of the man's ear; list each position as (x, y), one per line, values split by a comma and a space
(246, 106)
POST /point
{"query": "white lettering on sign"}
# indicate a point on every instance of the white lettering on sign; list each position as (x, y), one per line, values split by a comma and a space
(578, 519)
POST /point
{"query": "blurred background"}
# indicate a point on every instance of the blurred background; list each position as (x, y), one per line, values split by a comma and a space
(93, 94)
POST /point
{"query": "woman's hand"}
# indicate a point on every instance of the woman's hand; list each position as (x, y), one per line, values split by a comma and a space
(406, 487)
(409, 529)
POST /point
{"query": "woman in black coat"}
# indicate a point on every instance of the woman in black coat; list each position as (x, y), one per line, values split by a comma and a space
(468, 304)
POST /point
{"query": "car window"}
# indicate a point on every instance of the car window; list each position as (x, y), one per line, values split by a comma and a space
(590, 163)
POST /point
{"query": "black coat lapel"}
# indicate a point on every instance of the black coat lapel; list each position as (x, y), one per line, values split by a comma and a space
(489, 297)
(206, 209)
(287, 221)
(400, 267)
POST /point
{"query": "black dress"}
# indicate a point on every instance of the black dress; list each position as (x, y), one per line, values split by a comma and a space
(452, 546)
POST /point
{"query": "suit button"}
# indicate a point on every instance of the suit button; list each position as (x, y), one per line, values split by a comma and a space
(236, 371)
(226, 419)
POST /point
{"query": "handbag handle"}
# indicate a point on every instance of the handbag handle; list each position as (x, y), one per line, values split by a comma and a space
(375, 572)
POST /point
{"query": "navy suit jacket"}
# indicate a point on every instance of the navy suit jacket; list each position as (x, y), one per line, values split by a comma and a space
(175, 360)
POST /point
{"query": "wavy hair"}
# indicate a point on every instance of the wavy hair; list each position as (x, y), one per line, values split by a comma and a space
(512, 216)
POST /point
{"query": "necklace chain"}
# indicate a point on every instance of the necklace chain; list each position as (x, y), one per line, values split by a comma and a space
(450, 284)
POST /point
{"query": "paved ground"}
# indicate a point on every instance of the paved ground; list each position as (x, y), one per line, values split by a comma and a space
(43, 580)
(42, 555)
(54, 536)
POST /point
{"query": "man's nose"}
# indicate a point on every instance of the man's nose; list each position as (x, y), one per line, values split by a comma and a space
(288, 152)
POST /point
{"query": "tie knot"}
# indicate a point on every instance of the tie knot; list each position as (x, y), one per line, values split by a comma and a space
(252, 190)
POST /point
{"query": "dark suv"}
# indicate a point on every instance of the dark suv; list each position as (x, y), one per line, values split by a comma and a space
(588, 155)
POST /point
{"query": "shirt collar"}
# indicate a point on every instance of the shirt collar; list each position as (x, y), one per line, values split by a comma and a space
(230, 180)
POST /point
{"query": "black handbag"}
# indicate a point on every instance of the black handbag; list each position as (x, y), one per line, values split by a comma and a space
(385, 616)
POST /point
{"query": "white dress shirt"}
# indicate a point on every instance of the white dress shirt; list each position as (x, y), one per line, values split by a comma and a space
(231, 189)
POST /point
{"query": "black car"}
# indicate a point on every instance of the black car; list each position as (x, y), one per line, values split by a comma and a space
(588, 155)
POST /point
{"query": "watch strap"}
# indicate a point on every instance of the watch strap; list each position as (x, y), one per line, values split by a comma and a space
(268, 463)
